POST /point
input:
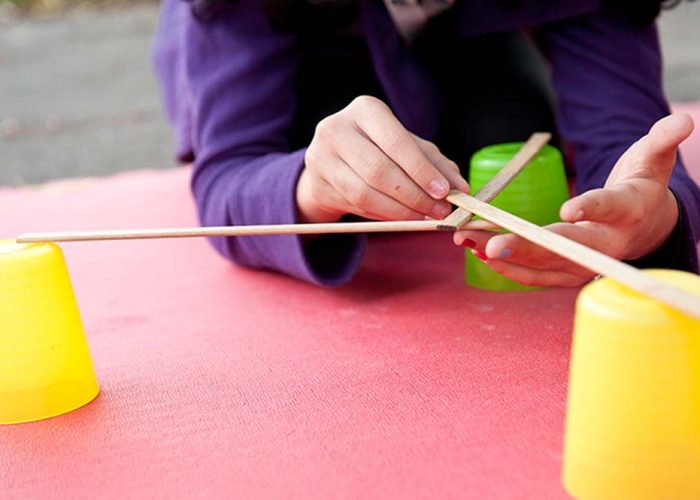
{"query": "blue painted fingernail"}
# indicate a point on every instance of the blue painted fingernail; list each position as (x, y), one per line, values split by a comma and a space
(505, 253)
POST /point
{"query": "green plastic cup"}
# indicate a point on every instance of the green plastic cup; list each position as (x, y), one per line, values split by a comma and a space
(536, 195)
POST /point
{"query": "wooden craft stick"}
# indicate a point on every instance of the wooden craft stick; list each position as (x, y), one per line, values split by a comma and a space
(458, 218)
(582, 255)
(262, 230)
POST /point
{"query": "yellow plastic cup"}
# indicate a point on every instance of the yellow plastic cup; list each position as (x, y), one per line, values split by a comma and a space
(45, 364)
(633, 420)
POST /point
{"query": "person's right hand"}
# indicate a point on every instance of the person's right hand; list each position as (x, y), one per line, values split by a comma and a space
(361, 160)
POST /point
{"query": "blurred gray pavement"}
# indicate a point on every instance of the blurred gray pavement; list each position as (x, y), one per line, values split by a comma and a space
(680, 43)
(78, 97)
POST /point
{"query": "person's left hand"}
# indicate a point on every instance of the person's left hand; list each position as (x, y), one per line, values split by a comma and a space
(633, 215)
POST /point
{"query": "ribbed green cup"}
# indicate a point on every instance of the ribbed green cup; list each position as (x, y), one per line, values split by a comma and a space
(536, 195)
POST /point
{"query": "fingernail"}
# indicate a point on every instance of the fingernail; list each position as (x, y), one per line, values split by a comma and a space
(578, 216)
(505, 253)
(469, 243)
(480, 255)
(438, 188)
(441, 210)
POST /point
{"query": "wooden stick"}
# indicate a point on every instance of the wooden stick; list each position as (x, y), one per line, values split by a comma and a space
(262, 230)
(582, 255)
(458, 218)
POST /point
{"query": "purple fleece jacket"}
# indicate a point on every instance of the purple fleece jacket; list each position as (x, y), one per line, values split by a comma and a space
(226, 85)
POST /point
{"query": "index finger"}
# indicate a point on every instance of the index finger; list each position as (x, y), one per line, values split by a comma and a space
(379, 124)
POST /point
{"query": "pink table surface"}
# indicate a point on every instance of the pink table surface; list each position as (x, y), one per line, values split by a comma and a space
(219, 381)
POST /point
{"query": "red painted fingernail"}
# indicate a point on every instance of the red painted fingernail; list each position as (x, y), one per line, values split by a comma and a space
(469, 243)
(480, 255)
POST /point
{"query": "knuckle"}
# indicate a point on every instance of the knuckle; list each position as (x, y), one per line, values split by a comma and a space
(326, 130)
(393, 141)
(312, 157)
(360, 196)
(452, 165)
(367, 103)
(376, 170)
(420, 201)
(430, 147)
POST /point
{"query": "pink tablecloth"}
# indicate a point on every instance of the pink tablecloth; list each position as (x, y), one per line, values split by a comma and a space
(219, 382)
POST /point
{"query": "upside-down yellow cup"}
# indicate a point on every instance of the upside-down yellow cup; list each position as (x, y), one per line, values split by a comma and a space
(45, 364)
(633, 419)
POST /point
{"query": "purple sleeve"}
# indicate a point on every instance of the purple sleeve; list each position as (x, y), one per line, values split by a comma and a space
(608, 79)
(234, 105)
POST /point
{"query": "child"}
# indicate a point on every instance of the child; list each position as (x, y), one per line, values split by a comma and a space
(309, 110)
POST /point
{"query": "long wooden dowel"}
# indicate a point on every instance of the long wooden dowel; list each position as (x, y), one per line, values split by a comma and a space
(260, 230)
(582, 255)
(498, 182)
(456, 220)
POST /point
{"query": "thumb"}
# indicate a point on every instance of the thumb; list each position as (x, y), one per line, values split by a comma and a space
(654, 155)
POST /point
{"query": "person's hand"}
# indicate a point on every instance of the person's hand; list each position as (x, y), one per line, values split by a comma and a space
(361, 160)
(633, 215)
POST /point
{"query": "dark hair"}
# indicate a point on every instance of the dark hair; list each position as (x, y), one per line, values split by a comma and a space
(205, 10)
(291, 15)
(330, 15)
(640, 12)
(311, 15)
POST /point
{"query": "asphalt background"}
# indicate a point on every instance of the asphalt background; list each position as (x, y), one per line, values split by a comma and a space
(78, 96)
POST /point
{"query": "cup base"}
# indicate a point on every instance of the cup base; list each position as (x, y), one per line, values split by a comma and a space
(30, 405)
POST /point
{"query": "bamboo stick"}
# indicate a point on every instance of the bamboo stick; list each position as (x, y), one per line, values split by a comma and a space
(259, 230)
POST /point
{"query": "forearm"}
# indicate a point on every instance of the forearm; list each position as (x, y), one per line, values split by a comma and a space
(231, 98)
(261, 190)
